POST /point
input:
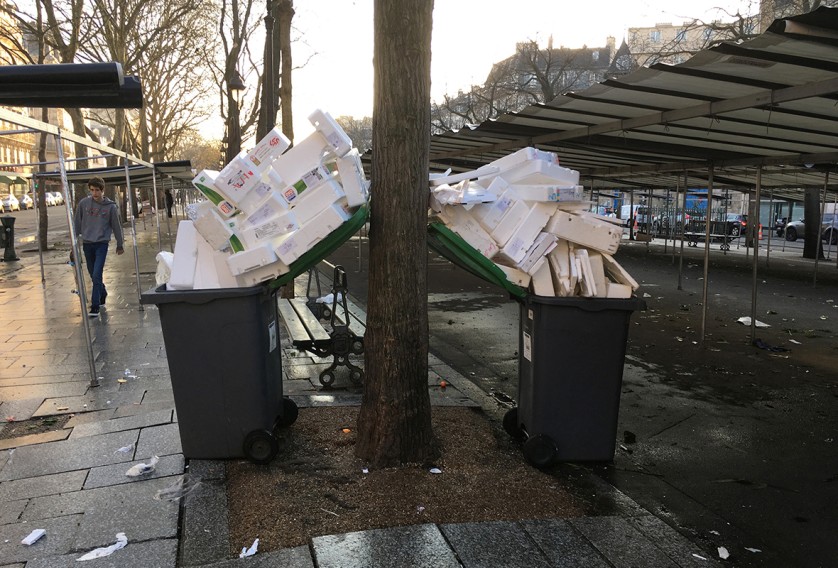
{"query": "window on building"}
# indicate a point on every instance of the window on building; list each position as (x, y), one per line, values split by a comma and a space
(595, 55)
(681, 36)
(655, 36)
(708, 34)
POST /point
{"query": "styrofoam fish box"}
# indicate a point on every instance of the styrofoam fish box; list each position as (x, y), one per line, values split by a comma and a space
(548, 192)
(253, 200)
(205, 183)
(251, 259)
(268, 148)
(351, 172)
(214, 230)
(527, 231)
(524, 155)
(278, 225)
(302, 240)
(237, 178)
(301, 157)
(586, 231)
(309, 180)
(339, 142)
(272, 205)
(186, 257)
(262, 274)
(510, 222)
(540, 171)
(313, 201)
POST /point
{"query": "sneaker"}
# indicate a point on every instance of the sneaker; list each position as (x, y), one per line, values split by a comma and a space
(94, 312)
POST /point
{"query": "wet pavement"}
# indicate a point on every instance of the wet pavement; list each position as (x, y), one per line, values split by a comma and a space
(72, 482)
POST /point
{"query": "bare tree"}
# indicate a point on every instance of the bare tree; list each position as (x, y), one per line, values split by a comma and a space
(358, 130)
(394, 423)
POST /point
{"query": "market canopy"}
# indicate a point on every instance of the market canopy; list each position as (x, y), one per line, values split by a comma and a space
(13, 179)
(138, 174)
(770, 102)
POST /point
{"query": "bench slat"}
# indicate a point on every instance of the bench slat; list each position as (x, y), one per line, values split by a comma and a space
(311, 323)
(296, 329)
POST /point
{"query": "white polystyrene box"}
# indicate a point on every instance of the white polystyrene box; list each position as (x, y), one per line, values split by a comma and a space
(542, 279)
(355, 185)
(301, 157)
(516, 276)
(238, 178)
(299, 242)
(205, 183)
(586, 231)
(510, 221)
(315, 177)
(262, 274)
(186, 257)
(251, 259)
(524, 155)
(268, 148)
(543, 244)
(269, 229)
(540, 171)
(339, 142)
(214, 230)
(459, 221)
(490, 214)
(253, 200)
(272, 205)
(313, 201)
(549, 192)
(205, 274)
(527, 231)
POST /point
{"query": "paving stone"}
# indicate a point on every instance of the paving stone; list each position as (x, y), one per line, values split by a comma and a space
(671, 542)
(115, 474)
(32, 439)
(450, 397)
(160, 396)
(22, 409)
(11, 510)
(511, 546)
(160, 553)
(4, 457)
(93, 400)
(298, 557)
(42, 485)
(415, 546)
(118, 424)
(622, 544)
(16, 565)
(86, 417)
(134, 409)
(208, 469)
(129, 508)
(59, 538)
(159, 441)
(297, 386)
(563, 545)
(323, 399)
(205, 534)
(33, 380)
(68, 455)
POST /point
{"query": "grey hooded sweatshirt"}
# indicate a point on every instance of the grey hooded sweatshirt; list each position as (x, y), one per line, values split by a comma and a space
(95, 222)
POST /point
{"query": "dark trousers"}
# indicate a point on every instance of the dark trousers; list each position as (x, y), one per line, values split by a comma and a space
(95, 255)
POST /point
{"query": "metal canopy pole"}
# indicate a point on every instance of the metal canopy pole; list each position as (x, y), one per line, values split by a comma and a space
(38, 233)
(753, 229)
(133, 233)
(168, 221)
(771, 225)
(706, 252)
(156, 208)
(683, 229)
(80, 286)
(819, 247)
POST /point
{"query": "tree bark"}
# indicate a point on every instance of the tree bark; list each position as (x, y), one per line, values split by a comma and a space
(812, 223)
(394, 423)
(286, 14)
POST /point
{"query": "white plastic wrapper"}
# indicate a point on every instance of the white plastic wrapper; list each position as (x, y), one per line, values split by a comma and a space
(164, 267)
(249, 551)
(33, 537)
(121, 542)
(143, 468)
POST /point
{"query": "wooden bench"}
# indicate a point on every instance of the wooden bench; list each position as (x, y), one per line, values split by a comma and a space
(342, 336)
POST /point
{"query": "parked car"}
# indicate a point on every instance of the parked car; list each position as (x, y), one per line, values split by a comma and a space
(26, 202)
(737, 224)
(2, 207)
(10, 203)
(662, 223)
(57, 198)
(49, 199)
(829, 229)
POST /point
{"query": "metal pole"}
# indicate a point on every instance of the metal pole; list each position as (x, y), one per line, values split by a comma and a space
(133, 233)
(156, 208)
(706, 253)
(753, 229)
(683, 229)
(94, 380)
(38, 232)
(168, 221)
(770, 230)
(819, 247)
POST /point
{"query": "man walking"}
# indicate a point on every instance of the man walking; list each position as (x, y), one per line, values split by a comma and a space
(97, 217)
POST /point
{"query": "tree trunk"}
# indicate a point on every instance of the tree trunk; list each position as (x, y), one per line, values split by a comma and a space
(812, 223)
(394, 424)
(286, 13)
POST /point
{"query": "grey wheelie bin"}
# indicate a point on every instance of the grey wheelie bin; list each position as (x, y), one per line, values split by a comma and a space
(225, 364)
(570, 357)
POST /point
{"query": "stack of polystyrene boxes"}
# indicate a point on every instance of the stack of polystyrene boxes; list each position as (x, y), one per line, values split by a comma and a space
(267, 207)
(527, 214)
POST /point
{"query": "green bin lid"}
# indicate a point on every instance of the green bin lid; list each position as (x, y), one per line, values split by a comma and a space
(450, 245)
(324, 248)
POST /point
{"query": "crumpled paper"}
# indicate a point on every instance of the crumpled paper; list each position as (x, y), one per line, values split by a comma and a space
(121, 542)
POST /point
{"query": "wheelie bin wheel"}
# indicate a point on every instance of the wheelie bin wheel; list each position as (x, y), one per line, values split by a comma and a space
(510, 424)
(540, 451)
(289, 414)
(260, 446)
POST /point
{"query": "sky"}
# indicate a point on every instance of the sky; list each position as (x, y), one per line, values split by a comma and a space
(334, 42)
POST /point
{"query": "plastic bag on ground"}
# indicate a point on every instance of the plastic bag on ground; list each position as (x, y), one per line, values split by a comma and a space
(121, 542)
